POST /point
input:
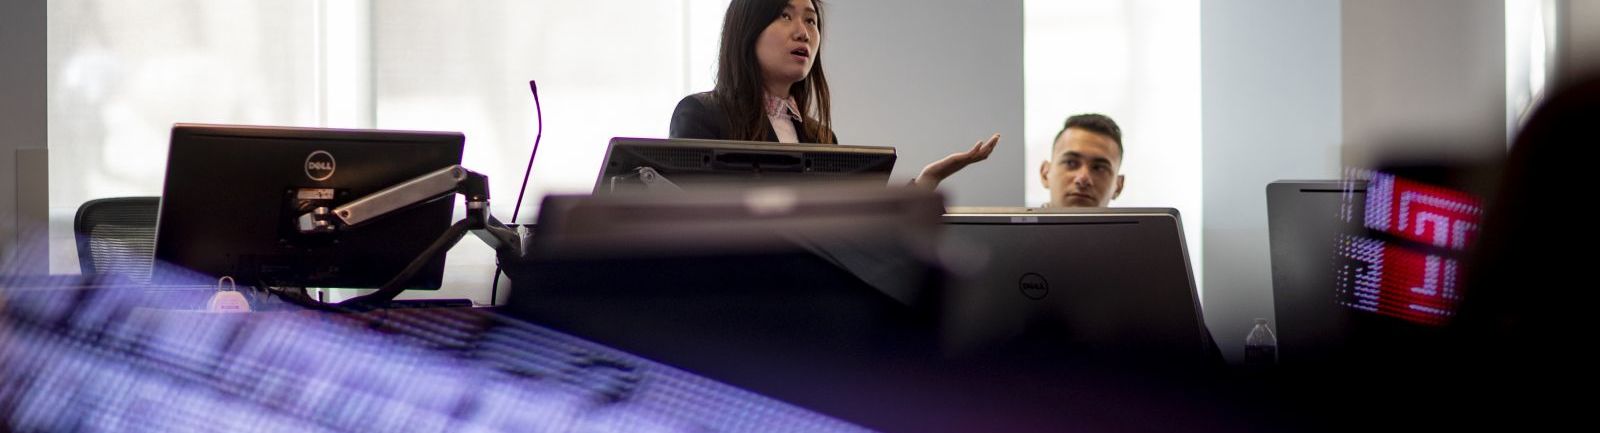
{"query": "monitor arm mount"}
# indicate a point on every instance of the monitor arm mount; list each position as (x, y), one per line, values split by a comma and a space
(653, 180)
(422, 189)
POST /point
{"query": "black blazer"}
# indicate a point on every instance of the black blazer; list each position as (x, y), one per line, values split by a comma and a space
(700, 116)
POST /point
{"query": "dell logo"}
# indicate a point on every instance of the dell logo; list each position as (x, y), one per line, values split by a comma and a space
(320, 165)
(1033, 286)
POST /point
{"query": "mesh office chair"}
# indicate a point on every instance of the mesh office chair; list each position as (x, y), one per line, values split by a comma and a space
(117, 236)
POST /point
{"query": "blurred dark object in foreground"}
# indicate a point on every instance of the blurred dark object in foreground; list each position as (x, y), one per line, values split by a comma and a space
(92, 355)
(1514, 351)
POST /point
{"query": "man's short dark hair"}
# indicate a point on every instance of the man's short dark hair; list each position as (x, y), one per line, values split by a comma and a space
(1096, 123)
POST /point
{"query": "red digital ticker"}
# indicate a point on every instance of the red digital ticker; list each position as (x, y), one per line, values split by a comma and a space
(1411, 271)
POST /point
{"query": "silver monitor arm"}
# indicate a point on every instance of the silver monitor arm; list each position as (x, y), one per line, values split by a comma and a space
(422, 189)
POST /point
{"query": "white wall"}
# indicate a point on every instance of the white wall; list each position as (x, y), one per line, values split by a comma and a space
(22, 103)
(1270, 98)
(930, 78)
(1423, 78)
(1579, 30)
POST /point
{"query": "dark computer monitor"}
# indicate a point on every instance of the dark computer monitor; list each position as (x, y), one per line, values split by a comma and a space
(232, 194)
(640, 164)
(1306, 222)
(1112, 282)
(769, 289)
(1362, 265)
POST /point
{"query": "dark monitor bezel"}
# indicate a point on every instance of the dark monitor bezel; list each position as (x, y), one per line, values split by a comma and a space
(215, 200)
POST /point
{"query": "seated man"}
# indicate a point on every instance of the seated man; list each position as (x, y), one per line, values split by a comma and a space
(1083, 164)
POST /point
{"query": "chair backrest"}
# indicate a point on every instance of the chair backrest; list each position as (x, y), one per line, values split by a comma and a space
(117, 236)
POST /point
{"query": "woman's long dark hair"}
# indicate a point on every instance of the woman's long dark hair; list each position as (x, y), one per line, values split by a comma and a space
(740, 85)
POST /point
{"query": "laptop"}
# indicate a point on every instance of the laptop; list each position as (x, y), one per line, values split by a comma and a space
(650, 164)
(1091, 282)
(1305, 220)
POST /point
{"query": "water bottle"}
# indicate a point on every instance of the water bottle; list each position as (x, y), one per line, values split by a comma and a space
(1261, 346)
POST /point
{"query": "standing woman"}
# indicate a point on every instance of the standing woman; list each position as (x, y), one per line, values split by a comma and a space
(770, 85)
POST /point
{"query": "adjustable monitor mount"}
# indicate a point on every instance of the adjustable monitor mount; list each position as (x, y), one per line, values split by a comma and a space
(422, 189)
(653, 180)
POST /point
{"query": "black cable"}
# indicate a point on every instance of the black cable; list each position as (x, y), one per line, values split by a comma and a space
(398, 284)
